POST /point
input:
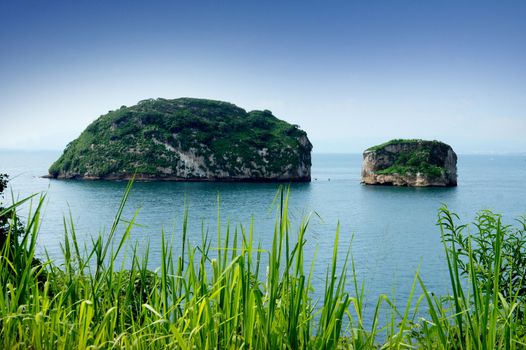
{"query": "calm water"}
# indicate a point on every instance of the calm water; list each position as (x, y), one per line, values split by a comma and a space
(394, 229)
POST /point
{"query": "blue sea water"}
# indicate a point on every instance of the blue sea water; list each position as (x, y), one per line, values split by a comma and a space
(392, 230)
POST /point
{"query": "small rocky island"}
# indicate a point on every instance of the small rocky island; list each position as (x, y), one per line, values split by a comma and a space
(187, 139)
(410, 163)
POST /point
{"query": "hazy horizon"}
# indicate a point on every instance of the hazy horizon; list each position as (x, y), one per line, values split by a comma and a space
(351, 74)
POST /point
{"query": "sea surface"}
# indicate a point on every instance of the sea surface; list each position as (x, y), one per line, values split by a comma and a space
(392, 230)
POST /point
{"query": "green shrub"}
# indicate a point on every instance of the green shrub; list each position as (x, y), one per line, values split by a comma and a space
(486, 307)
(10, 225)
(493, 246)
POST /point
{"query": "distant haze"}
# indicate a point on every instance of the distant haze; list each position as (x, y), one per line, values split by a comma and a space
(352, 74)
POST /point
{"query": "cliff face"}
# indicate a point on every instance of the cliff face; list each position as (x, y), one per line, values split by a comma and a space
(410, 163)
(187, 140)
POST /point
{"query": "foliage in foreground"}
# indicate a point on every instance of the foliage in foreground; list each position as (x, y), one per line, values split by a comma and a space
(219, 295)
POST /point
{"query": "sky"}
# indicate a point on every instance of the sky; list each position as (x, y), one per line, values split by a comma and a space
(352, 74)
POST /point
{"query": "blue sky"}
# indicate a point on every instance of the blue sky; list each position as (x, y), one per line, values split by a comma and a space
(352, 74)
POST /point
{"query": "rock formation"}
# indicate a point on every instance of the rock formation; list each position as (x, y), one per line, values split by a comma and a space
(410, 163)
(187, 140)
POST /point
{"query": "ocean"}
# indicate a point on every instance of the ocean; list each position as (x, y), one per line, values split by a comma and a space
(391, 231)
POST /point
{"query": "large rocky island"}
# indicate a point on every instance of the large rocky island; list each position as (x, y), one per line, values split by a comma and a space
(410, 163)
(187, 139)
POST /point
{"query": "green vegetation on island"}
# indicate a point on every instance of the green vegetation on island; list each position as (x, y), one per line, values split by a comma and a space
(187, 139)
(406, 159)
(426, 157)
(220, 293)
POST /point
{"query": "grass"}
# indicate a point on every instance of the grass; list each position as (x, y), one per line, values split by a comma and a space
(218, 294)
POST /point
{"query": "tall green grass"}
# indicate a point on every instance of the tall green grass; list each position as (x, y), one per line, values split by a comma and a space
(486, 269)
(219, 294)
